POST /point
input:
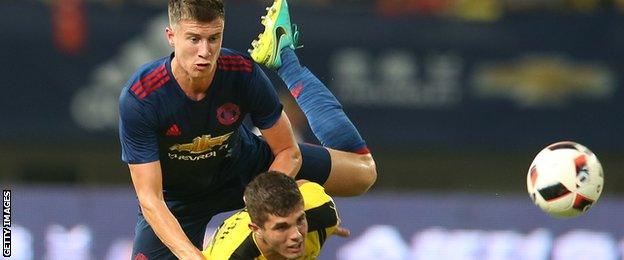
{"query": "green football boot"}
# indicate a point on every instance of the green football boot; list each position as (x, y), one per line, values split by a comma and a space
(278, 33)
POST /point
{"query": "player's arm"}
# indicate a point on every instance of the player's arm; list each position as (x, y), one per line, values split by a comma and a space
(147, 180)
(281, 139)
(324, 214)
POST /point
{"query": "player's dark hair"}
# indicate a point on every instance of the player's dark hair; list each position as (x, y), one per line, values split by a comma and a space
(271, 193)
(196, 10)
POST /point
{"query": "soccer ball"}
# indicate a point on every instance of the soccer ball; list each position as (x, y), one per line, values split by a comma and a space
(565, 179)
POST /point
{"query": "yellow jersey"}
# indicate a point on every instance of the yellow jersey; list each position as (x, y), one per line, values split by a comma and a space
(233, 239)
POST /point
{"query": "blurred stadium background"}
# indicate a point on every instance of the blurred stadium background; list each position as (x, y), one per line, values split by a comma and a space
(454, 97)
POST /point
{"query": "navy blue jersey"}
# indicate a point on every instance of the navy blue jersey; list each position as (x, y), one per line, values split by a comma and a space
(200, 144)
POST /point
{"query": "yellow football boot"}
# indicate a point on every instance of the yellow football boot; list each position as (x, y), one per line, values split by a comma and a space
(278, 33)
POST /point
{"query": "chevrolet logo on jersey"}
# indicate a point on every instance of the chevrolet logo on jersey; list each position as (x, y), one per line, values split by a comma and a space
(201, 144)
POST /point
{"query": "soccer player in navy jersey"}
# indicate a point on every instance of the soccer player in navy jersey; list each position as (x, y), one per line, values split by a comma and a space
(182, 136)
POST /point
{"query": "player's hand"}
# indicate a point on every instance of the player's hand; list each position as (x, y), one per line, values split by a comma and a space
(342, 232)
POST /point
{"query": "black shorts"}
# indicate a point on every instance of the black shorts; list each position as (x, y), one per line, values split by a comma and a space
(194, 215)
(315, 165)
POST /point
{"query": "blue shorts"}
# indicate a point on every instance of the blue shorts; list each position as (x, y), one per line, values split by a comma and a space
(194, 215)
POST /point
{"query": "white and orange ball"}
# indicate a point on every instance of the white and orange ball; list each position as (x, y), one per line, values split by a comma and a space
(565, 179)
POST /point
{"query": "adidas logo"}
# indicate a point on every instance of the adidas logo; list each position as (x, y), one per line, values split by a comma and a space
(174, 130)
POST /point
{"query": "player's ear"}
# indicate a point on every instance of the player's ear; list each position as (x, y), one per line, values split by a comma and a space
(254, 228)
(169, 35)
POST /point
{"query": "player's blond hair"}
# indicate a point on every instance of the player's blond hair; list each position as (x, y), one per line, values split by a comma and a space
(195, 10)
(271, 193)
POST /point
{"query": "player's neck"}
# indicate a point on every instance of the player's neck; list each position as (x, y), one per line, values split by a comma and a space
(265, 249)
(195, 88)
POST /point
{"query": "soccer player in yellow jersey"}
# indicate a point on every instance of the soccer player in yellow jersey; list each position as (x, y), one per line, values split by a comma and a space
(282, 220)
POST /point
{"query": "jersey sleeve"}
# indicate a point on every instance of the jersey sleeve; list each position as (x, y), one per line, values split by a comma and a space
(320, 208)
(233, 240)
(264, 104)
(137, 131)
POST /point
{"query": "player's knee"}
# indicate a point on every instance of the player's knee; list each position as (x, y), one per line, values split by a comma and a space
(371, 173)
(367, 176)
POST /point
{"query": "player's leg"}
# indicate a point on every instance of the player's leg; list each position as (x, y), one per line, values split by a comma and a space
(341, 173)
(148, 246)
(353, 169)
(351, 174)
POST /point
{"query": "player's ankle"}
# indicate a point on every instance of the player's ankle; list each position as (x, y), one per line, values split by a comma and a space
(289, 58)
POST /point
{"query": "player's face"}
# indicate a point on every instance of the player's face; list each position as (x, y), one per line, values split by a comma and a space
(196, 46)
(286, 235)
